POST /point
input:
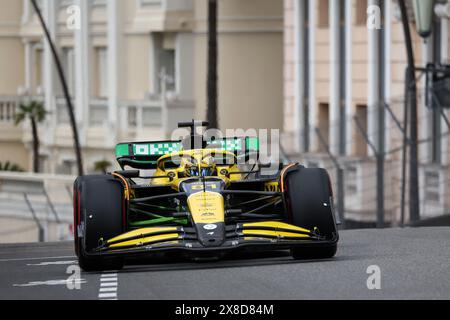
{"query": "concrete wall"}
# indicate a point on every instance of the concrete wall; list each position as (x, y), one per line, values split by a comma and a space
(250, 63)
(15, 153)
(11, 53)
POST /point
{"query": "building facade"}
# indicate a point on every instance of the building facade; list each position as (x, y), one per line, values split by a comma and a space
(134, 69)
(344, 85)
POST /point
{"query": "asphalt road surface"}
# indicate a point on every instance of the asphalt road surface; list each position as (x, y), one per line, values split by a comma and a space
(412, 264)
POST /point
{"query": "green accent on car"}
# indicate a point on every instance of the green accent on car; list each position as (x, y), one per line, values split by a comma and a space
(234, 144)
(252, 144)
(156, 149)
(122, 151)
(150, 152)
(147, 149)
(153, 222)
(237, 144)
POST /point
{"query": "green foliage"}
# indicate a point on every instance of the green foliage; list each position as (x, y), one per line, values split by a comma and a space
(8, 166)
(31, 110)
(102, 166)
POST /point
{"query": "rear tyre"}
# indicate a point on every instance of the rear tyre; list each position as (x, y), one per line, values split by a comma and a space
(309, 201)
(99, 214)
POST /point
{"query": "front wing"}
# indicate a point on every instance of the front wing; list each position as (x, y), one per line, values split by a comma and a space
(257, 235)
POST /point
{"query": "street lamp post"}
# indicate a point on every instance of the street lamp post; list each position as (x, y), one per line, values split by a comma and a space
(212, 113)
(423, 10)
(423, 13)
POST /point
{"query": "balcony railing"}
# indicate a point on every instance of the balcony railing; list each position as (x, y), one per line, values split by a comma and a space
(9, 106)
(133, 116)
(98, 112)
(8, 109)
(141, 114)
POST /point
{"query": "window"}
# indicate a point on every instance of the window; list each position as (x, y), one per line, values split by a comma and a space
(360, 142)
(165, 60)
(150, 3)
(361, 12)
(102, 72)
(167, 63)
(323, 13)
(38, 66)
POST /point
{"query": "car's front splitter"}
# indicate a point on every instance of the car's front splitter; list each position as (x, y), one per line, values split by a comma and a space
(194, 248)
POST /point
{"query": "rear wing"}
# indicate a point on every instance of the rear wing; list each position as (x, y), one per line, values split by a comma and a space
(145, 155)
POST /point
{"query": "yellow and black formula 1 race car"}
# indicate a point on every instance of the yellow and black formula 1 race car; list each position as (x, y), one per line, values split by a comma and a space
(201, 202)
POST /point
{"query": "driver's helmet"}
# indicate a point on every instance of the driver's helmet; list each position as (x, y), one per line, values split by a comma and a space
(191, 167)
(207, 167)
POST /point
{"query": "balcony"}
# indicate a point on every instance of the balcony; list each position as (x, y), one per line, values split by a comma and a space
(143, 119)
(162, 15)
(9, 132)
(8, 107)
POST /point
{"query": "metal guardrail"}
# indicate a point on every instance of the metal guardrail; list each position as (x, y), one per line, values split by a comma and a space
(35, 199)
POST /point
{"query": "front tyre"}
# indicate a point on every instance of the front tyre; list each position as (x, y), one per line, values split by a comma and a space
(99, 213)
(309, 201)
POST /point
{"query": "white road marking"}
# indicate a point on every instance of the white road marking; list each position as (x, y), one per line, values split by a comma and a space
(106, 275)
(108, 286)
(108, 279)
(40, 258)
(52, 263)
(112, 289)
(49, 283)
(107, 295)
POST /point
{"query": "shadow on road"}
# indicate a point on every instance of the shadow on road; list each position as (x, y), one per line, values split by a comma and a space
(236, 260)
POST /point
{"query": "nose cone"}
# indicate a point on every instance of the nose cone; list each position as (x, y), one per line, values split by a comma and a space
(211, 235)
(208, 213)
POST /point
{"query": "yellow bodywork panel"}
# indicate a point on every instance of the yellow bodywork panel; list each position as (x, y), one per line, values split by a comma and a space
(276, 225)
(272, 187)
(207, 207)
(161, 237)
(270, 233)
(140, 232)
